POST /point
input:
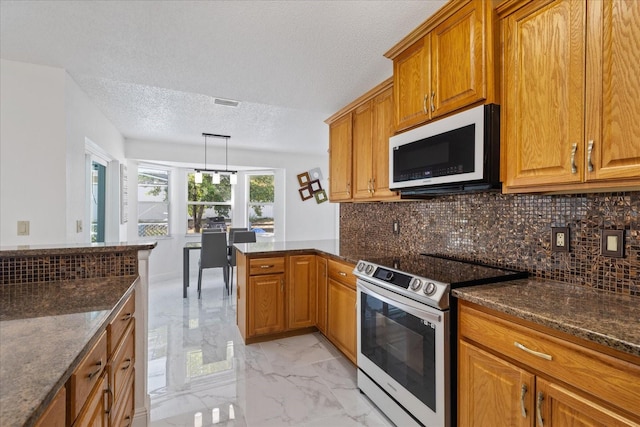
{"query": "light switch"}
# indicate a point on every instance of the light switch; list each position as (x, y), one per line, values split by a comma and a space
(78, 226)
(612, 244)
(23, 228)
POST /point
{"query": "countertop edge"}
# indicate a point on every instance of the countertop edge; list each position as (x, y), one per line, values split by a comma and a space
(597, 338)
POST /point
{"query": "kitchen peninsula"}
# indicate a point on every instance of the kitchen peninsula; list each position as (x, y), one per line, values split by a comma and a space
(68, 312)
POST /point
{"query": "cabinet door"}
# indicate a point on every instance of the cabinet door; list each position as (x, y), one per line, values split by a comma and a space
(362, 153)
(302, 291)
(94, 413)
(266, 304)
(382, 129)
(55, 414)
(493, 392)
(613, 90)
(543, 108)
(340, 152)
(411, 77)
(342, 318)
(562, 407)
(321, 302)
(458, 61)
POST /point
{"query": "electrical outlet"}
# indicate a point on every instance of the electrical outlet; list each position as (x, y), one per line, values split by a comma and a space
(396, 226)
(23, 228)
(560, 239)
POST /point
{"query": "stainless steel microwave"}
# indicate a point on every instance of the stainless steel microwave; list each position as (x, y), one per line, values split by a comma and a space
(456, 154)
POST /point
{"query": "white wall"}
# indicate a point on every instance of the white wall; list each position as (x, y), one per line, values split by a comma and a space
(45, 119)
(32, 153)
(302, 220)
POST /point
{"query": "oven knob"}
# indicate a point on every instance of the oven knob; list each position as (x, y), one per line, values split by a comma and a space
(416, 284)
(430, 289)
(369, 269)
(360, 266)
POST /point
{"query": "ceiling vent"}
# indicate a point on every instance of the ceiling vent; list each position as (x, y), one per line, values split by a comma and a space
(226, 102)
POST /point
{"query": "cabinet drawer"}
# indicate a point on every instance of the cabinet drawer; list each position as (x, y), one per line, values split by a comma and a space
(121, 366)
(342, 272)
(116, 328)
(86, 376)
(603, 376)
(123, 409)
(266, 265)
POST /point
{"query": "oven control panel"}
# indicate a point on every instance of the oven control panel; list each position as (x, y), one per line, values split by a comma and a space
(421, 289)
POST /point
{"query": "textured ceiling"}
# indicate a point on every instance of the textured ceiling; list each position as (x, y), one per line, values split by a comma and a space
(155, 67)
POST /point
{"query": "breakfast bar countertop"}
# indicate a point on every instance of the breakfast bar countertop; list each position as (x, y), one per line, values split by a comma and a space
(605, 318)
(45, 331)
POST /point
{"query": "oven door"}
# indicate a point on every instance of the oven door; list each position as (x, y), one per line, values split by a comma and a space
(403, 346)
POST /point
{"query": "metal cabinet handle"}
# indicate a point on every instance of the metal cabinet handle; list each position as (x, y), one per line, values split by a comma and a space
(342, 273)
(535, 353)
(539, 409)
(266, 266)
(97, 371)
(433, 97)
(349, 187)
(128, 360)
(589, 162)
(127, 316)
(523, 392)
(109, 405)
(574, 148)
(373, 185)
(424, 105)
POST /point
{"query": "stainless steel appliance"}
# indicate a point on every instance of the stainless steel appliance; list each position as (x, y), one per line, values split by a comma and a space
(406, 334)
(456, 154)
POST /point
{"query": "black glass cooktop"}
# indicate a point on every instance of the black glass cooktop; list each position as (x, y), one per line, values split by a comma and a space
(454, 272)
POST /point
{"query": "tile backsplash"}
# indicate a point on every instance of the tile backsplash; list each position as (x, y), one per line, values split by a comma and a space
(511, 231)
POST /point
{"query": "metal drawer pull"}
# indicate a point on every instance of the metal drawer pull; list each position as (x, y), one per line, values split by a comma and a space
(535, 353)
(589, 162)
(128, 360)
(97, 371)
(539, 409)
(523, 392)
(342, 273)
(127, 316)
(266, 266)
(574, 148)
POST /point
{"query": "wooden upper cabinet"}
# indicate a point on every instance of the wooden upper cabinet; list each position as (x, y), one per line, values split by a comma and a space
(571, 115)
(445, 64)
(362, 150)
(340, 151)
(458, 52)
(411, 79)
(613, 90)
(543, 111)
(364, 126)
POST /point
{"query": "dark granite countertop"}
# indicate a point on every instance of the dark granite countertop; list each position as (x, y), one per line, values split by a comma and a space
(604, 318)
(327, 247)
(73, 248)
(45, 331)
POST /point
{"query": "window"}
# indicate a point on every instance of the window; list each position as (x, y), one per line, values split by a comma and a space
(153, 202)
(208, 204)
(260, 206)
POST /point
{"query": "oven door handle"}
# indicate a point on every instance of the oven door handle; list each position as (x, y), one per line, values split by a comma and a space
(387, 296)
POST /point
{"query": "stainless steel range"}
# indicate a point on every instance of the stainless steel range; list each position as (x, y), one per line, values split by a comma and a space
(406, 334)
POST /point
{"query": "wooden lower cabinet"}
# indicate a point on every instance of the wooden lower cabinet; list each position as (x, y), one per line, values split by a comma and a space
(511, 373)
(266, 304)
(123, 409)
(55, 414)
(94, 412)
(322, 281)
(341, 315)
(341, 308)
(301, 291)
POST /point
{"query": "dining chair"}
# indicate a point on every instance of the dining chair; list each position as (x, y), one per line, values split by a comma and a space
(238, 237)
(213, 254)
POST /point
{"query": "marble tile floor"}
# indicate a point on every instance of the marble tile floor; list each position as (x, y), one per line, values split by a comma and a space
(198, 362)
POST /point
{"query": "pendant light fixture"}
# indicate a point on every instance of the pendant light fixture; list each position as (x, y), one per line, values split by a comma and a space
(215, 177)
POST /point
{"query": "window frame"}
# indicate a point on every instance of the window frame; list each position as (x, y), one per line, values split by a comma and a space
(166, 204)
